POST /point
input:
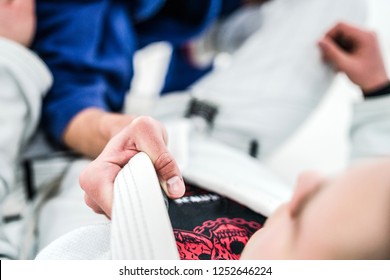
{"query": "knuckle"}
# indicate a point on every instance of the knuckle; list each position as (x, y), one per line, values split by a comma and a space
(83, 181)
(88, 201)
(165, 165)
(143, 125)
(371, 35)
(91, 204)
(86, 178)
(98, 210)
(143, 121)
(341, 24)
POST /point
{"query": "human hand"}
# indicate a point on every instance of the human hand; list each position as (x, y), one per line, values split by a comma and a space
(355, 52)
(17, 20)
(142, 134)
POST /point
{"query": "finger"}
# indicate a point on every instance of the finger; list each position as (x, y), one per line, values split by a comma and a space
(166, 167)
(169, 174)
(99, 188)
(307, 184)
(347, 30)
(93, 205)
(152, 140)
(332, 53)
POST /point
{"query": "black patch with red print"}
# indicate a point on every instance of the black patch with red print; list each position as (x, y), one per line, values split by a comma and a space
(208, 226)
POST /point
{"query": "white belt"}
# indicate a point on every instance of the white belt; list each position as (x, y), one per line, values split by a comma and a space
(140, 228)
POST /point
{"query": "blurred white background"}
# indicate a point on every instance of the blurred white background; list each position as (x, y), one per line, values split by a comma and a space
(322, 143)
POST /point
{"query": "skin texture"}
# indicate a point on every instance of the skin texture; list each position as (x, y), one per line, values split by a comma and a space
(17, 20)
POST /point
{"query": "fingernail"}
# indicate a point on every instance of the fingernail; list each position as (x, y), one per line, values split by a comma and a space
(174, 185)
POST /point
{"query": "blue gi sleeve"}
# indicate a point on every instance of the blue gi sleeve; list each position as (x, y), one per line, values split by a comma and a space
(88, 46)
(182, 71)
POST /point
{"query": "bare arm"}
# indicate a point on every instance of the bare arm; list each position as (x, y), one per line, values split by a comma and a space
(91, 129)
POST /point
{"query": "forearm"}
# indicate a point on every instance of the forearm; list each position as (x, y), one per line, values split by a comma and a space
(91, 129)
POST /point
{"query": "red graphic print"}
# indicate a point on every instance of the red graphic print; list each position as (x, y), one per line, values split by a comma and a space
(222, 239)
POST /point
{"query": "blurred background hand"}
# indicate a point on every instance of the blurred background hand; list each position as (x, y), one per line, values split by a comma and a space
(355, 52)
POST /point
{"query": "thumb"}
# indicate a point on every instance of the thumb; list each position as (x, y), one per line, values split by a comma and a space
(333, 54)
(151, 139)
(168, 172)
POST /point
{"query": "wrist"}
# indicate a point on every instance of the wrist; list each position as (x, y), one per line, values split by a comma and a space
(380, 91)
(82, 133)
(111, 123)
(375, 83)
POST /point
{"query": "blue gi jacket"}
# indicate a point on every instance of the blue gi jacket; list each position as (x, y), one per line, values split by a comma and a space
(89, 47)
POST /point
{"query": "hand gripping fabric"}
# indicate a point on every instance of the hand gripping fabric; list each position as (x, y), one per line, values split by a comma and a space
(140, 229)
